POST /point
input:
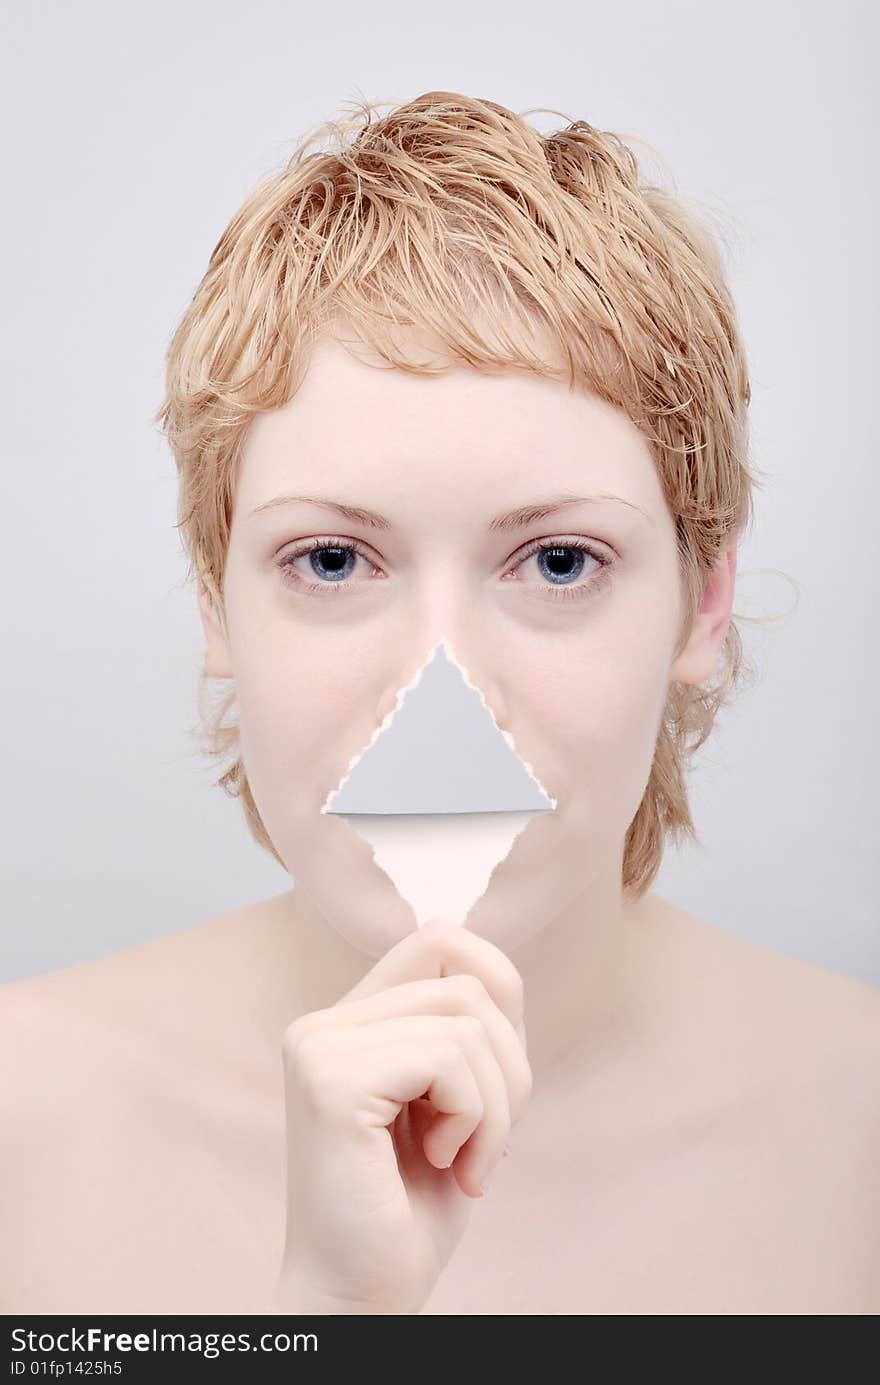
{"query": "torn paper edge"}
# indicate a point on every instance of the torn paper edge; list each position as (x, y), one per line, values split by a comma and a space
(506, 734)
(378, 730)
(392, 713)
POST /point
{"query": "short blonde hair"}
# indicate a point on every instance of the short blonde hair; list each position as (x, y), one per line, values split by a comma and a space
(450, 213)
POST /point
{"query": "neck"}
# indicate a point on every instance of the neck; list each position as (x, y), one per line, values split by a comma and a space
(583, 975)
(586, 972)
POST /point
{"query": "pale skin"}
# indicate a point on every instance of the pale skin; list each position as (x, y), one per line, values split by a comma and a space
(694, 1124)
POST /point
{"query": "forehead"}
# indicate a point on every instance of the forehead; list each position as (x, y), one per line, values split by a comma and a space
(361, 425)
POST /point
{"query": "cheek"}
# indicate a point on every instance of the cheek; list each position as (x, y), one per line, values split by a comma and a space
(590, 730)
(305, 710)
(599, 720)
(304, 715)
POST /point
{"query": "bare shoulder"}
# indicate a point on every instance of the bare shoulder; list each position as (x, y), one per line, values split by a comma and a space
(113, 1045)
(57, 1086)
(123, 1093)
(805, 1032)
(67, 1030)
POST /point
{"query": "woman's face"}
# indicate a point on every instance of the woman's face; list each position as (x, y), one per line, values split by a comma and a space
(572, 650)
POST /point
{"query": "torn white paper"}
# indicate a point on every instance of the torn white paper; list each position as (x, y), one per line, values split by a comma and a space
(439, 793)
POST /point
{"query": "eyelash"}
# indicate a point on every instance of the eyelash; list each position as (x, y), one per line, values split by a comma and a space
(597, 580)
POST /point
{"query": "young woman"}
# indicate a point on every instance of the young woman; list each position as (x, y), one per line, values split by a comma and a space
(454, 379)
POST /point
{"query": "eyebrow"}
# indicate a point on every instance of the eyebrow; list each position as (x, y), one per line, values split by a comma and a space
(513, 519)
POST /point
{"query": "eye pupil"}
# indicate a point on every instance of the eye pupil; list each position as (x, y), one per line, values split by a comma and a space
(562, 563)
(334, 562)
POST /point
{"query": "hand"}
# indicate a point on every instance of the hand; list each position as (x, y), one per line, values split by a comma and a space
(399, 1101)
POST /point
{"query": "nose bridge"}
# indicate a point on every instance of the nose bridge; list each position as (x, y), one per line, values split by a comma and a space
(444, 608)
(444, 611)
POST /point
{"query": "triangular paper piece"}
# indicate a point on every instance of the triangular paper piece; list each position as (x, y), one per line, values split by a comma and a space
(440, 863)
(439, 751)
(439, 793)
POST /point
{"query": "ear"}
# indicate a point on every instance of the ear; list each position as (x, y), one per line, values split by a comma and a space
(698, 659)
(217, 661)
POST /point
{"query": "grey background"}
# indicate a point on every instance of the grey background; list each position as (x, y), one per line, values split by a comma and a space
(131, 134)
(441, 751)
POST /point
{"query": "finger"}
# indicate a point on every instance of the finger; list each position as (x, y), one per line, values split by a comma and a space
(440, 948)
(474, 1146)
(461, 994)
(372, 1072)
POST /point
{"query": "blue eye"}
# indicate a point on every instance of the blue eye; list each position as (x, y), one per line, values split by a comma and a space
(332, 563)
(331, 560)
(560, 564)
